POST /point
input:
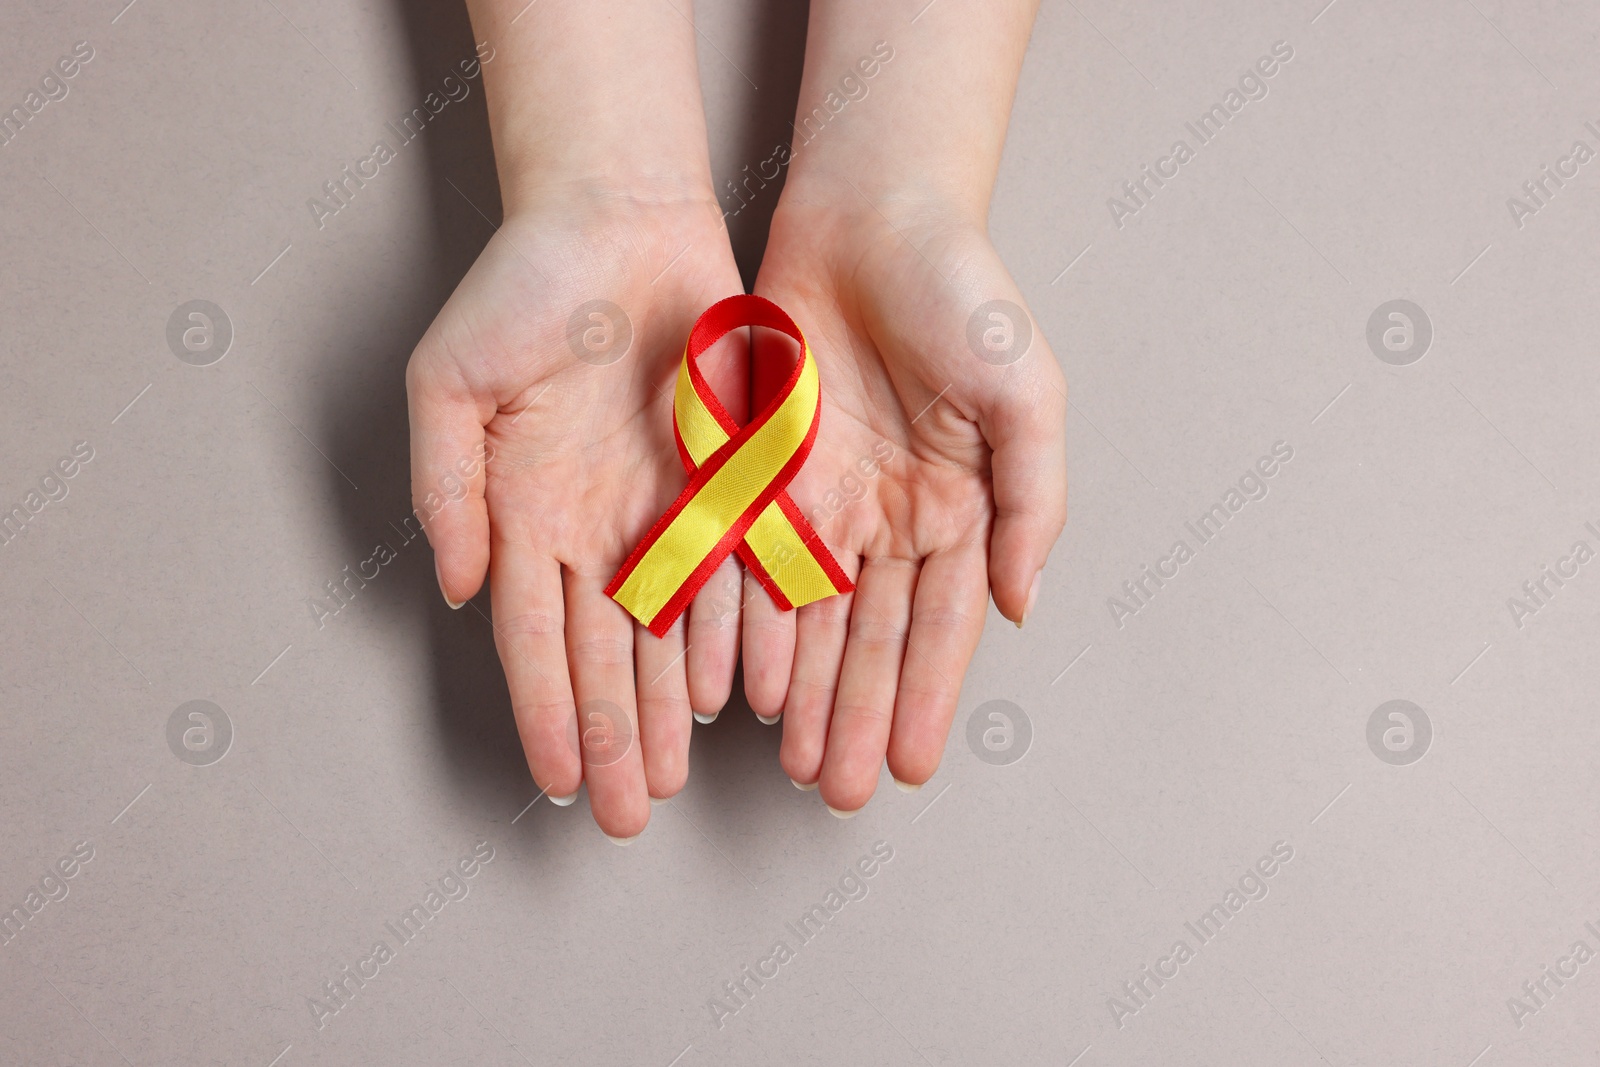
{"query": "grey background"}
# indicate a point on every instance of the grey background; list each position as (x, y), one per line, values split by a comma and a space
(1227, 715)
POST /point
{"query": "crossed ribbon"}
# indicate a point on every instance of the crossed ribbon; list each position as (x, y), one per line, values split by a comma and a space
(736, 499)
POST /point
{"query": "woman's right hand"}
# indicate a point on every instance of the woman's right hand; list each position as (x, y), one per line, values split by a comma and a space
(555, 358)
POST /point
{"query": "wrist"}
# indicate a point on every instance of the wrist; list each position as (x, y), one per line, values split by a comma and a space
(596, 149)
(862, 173)
(547, 187)
(596, 96)
(901, 128)
(851, 208)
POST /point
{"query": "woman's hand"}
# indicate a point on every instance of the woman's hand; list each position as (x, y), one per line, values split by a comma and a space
(556, 356)
(939, 474)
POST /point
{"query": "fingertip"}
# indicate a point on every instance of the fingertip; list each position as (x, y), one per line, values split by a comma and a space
(623, 826)
(1016, 570)
(438, 573)
(665, 721)
(912, 764)
(665, 775)
(709, 693)
(845, 797)
(1033, 597)
(1015, 578)
(1029, 467)
(804, 741)
(713, 642)
(764, 698)
(549, 751)
(459, 535)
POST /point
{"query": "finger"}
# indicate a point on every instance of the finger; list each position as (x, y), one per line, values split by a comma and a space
(448, 461)
(600, 653)
(713, 630)
(713, 638)
(529, 619)
(768, 633)
(768, 639)
(946, 622)
(858, 734)
(664, 719)
(820, 631)
(1025, 425)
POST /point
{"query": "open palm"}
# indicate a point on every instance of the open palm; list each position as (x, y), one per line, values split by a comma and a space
(555, 357)
(939, 473)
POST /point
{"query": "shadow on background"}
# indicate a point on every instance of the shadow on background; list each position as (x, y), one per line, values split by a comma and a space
(766, 120)
(363, 413)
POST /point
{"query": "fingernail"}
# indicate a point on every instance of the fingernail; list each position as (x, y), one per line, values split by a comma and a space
(907, 787)
(455, 605)
(803, 787)
(1033, 597)
(703, 719)
(623, 841)
(837, 814)
(656, 802)
(764, 721)
(562, 802)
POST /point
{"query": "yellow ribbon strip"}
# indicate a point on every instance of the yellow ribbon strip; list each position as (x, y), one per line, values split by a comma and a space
(736, 499)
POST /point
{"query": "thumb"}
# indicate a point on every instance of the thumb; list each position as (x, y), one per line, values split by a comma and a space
(449, 459)
(1025, 424)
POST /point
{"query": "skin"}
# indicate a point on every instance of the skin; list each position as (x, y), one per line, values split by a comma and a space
(878, 249)
(600, 142)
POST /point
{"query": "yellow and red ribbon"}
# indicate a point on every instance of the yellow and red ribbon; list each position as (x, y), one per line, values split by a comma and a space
(736, 499)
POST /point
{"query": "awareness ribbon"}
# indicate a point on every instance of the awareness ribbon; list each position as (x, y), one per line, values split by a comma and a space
(736, 499)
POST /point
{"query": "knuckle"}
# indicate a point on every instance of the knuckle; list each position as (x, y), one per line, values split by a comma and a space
(888, 649)
(780, 627)
(865, 711)
(946, 618)
(714, 612)
(655, 707)
(603, 650)
(831, 612)
(875, 634)
(806, 694)
(548, 713)
(530, 624)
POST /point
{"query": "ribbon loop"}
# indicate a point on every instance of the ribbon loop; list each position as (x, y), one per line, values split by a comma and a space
(736, 499)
